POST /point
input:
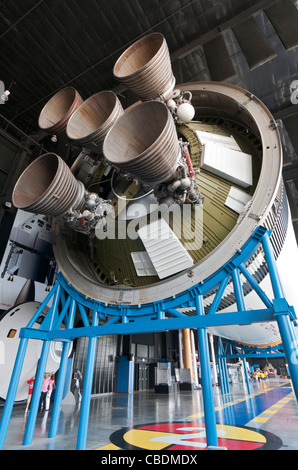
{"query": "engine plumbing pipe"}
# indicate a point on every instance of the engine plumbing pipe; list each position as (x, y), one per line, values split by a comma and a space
(189, 164)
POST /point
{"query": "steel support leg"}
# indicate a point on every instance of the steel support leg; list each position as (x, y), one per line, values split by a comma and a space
(271, 263)
(36, 393)
(49, 319)
(282, 315)
(61, 375)
(13, 387)
(15, 378)
(246, 376)
(221, 367)
(85, 405)
(226, 376)
(209, 411)
(290, 348)
(221, 375)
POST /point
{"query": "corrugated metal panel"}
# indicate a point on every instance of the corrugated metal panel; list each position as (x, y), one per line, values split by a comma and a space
(284, 18)
(229, 164)
(167, 254)
(218, 59)
(254, 45)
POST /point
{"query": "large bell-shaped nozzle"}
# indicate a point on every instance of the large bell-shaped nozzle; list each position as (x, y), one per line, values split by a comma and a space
(55, 114)
(144, 142)
(48, 187)
(90, 123)
(145, 68)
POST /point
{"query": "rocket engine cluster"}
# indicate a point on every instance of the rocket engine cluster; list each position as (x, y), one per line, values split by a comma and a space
(141, 143)
(228, 161)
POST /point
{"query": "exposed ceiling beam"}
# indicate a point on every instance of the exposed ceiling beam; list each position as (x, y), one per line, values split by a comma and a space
(286, 112)
(20, 19)
(193, 45)
(290, 172)
(119, 50)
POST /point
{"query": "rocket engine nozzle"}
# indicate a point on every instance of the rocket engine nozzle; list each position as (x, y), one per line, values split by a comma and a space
(145, 68)
(55, 114)
(144, 142)
(91, 121)
(48, 187)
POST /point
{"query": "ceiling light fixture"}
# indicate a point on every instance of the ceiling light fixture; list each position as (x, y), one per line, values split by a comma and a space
(5, 95)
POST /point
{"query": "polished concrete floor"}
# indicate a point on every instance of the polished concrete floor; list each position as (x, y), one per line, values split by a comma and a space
(266, 420)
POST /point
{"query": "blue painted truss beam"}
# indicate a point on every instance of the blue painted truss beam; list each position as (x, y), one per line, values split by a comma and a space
(234, 350)
(131, 327)
(183, 300)
(256, 356)
(160, 316)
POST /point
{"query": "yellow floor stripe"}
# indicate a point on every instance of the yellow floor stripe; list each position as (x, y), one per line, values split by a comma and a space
(259, 419)
(262, 418)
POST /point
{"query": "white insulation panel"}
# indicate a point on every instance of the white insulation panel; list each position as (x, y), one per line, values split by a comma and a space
(143, 264)
(167, 254)
(223, 140)
(227, 163)
(237, 199)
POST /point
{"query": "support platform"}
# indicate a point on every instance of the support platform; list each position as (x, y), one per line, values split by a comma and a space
(65, 301)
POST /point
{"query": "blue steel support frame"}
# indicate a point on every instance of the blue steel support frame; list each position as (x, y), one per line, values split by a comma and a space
(16, 373)
(85, 406)
(287, 332)
(223, 372)
(246, 376)
(129, 319)
(48, 323)
(210, 421)
(62, 373)
(234, 350)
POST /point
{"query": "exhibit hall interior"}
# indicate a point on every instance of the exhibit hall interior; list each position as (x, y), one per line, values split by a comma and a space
(149, 226)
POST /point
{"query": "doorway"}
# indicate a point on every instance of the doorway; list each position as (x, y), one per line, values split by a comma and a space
(142, 377)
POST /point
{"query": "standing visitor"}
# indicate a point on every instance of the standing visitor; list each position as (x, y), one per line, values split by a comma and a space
(30, 391)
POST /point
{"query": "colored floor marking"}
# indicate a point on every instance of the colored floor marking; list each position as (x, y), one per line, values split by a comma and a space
(109, 447)
(263, 417)
(236, 402)
(250, 411)
(253, 407)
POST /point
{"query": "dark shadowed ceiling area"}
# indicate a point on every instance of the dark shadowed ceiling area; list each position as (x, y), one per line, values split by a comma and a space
(48, 44)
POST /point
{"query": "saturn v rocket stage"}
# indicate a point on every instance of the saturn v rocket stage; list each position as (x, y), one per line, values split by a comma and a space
(206, 149)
